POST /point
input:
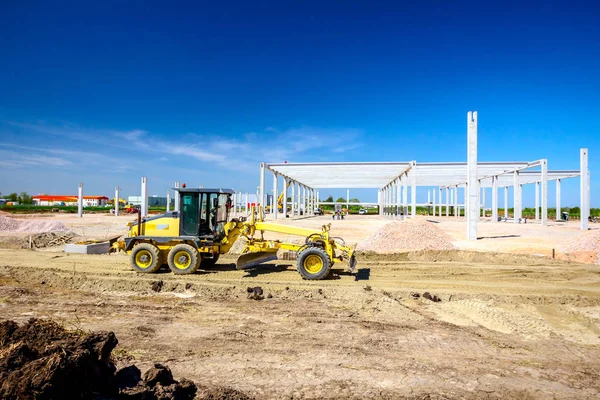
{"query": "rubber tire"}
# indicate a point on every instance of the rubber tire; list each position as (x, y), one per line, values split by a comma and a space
(156, 258)
(192, 253)
(209, 262)
(323, 273)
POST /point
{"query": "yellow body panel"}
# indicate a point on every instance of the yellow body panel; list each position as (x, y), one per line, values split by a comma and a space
(161, 227)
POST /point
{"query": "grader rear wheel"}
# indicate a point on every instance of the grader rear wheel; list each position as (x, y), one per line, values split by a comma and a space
(145, 257)
(313, 263)
(183, 259)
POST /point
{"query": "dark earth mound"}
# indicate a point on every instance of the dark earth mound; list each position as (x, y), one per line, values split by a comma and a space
(41, 360)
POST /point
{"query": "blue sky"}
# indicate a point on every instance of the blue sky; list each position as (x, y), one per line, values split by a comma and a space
(201, 92)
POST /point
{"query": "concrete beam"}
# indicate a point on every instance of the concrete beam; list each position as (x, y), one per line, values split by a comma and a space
(472, 176)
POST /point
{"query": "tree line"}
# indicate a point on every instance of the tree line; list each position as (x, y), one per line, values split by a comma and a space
(22, 198)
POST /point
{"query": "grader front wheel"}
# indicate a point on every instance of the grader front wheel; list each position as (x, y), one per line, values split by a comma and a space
(145, 258)
(313, 263)
(183, 259)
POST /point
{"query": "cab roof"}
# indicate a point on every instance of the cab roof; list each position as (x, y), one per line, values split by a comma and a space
(198, 190)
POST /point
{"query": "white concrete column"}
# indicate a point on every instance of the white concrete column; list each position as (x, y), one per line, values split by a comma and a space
(537, 201)
(144, 206)
(494, 199)
(447, 202)
(413, 192)
(168, 201)
(262, 199)
(473, 206)
(285, 197)
(275, 203)
(293, 198)
(505, 201)
(584, 204)
(80, 201)
(456, 207)
(428, 200)
(517, 198)
(483, 203)
(116, 201)
(246, 208)
(380, 202)
(434, 202)
(405, 195)
(176, 205)
(544, 192)
(440, 205)
(558, 212)
(398, 197)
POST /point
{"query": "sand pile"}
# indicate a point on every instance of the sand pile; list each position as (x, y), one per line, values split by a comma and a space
(41, 360)
(8, 224)
(583, 248)
(401, 236)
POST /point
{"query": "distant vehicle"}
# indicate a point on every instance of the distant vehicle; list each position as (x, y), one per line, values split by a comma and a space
(318, 211)
(362, 211)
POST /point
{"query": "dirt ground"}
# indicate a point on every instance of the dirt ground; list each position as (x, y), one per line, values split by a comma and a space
(512, 325)
(508, 326)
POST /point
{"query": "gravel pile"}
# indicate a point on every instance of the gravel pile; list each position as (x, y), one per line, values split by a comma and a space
(400, 236)
(585, 244)
(8, 224)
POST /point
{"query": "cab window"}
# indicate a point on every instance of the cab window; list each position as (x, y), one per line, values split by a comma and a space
(189, 208)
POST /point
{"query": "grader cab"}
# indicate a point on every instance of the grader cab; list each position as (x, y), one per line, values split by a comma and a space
(202, 230)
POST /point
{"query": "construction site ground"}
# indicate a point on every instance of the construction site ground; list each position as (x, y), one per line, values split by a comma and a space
(511, 323)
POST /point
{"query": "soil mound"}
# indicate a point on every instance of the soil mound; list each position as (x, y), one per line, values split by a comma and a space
(583, 248)
(8, 224)
(399, 236)
(41, 360)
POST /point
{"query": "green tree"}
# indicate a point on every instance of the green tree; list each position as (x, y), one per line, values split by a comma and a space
(12, 197)
(354, 200)
(340, 200)
(24, 198)
(329, 199)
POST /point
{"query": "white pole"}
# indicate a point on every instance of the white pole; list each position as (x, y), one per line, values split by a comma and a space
(80, 201)
(261, 201)
(176, 205)
(558, 212)
(544, 192)
(494, 199)
(537, 200)
(144, 205)
(471, 213)
(583, 189)
(505, 201)
(168, 201)
(116, 201)
(413, 191)
(275, 206)
(285, 197)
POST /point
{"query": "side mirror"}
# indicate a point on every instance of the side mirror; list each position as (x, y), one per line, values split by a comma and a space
(215, 202)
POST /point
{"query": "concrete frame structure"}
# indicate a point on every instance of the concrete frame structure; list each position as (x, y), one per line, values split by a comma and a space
(392, 179)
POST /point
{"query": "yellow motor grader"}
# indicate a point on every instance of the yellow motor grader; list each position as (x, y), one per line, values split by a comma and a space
(202, 230)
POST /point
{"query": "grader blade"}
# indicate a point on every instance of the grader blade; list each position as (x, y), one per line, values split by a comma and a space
(352, 265)
(250, 260)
